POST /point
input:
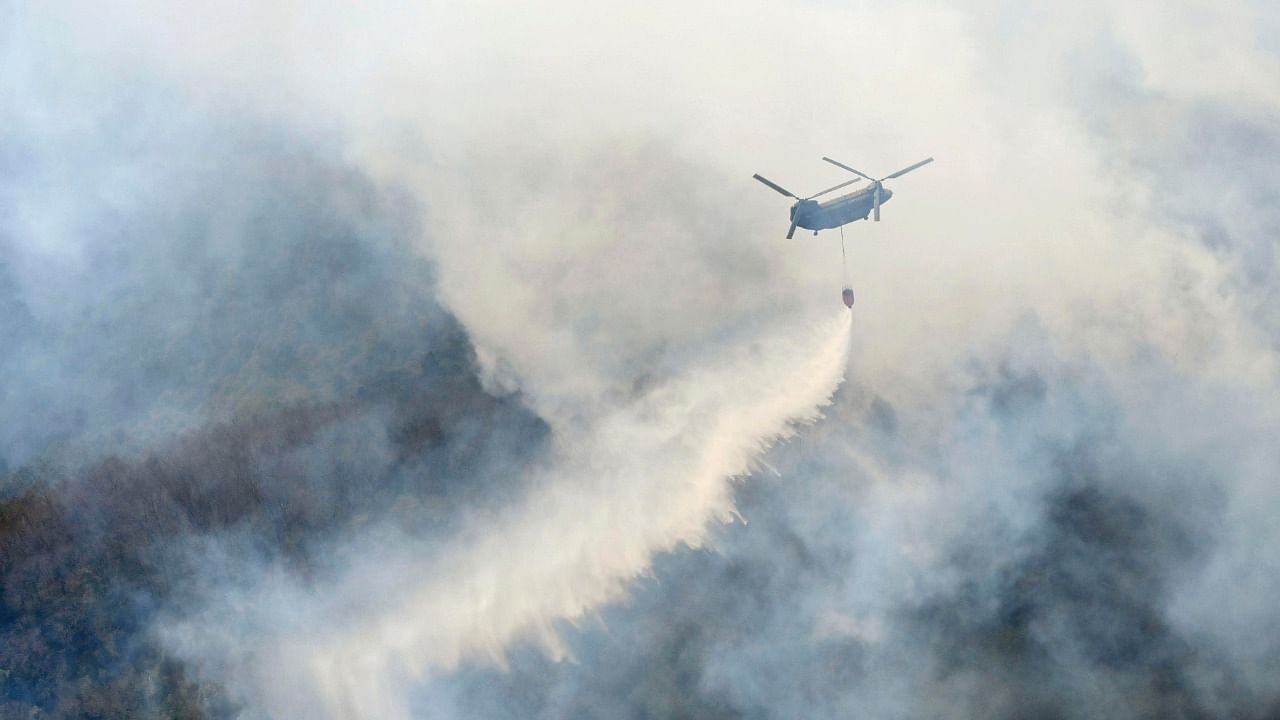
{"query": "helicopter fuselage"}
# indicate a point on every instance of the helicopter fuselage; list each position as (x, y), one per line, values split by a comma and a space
(812, 215)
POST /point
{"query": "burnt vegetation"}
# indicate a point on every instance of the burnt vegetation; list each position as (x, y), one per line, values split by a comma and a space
(251, 354)
(86, 561)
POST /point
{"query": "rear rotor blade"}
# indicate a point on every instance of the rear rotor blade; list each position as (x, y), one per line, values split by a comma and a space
(837, 187)
(908, 169)
(846, 167)
(775, 186)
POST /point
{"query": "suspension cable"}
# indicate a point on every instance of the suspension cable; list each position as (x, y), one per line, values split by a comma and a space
(844, 261)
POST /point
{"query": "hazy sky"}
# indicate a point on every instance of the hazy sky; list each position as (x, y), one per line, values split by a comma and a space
(1032, 474)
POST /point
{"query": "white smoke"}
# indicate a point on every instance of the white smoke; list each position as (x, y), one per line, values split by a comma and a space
(572, 253)
(643, 478)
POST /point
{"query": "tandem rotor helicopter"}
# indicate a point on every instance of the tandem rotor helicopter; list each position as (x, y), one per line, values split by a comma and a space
(810, 214)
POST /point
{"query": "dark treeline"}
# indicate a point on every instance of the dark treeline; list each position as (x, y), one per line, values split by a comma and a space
(86, 561)
(235, 346)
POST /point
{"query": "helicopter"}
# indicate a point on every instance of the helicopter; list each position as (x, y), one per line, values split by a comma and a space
(809, 214)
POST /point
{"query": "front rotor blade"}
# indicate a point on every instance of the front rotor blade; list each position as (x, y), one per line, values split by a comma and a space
(907, 169)
(775, 186)
(791, 230)
(876, 202)
(837, 187)
(846, 167)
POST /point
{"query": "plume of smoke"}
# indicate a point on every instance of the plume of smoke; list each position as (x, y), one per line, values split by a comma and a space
(1012, 489)
(647, 477)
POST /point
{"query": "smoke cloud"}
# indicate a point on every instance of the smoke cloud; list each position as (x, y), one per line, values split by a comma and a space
(416, 362)
(646, 479)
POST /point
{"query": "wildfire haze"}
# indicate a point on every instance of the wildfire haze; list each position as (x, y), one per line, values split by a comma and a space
(446, 361)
